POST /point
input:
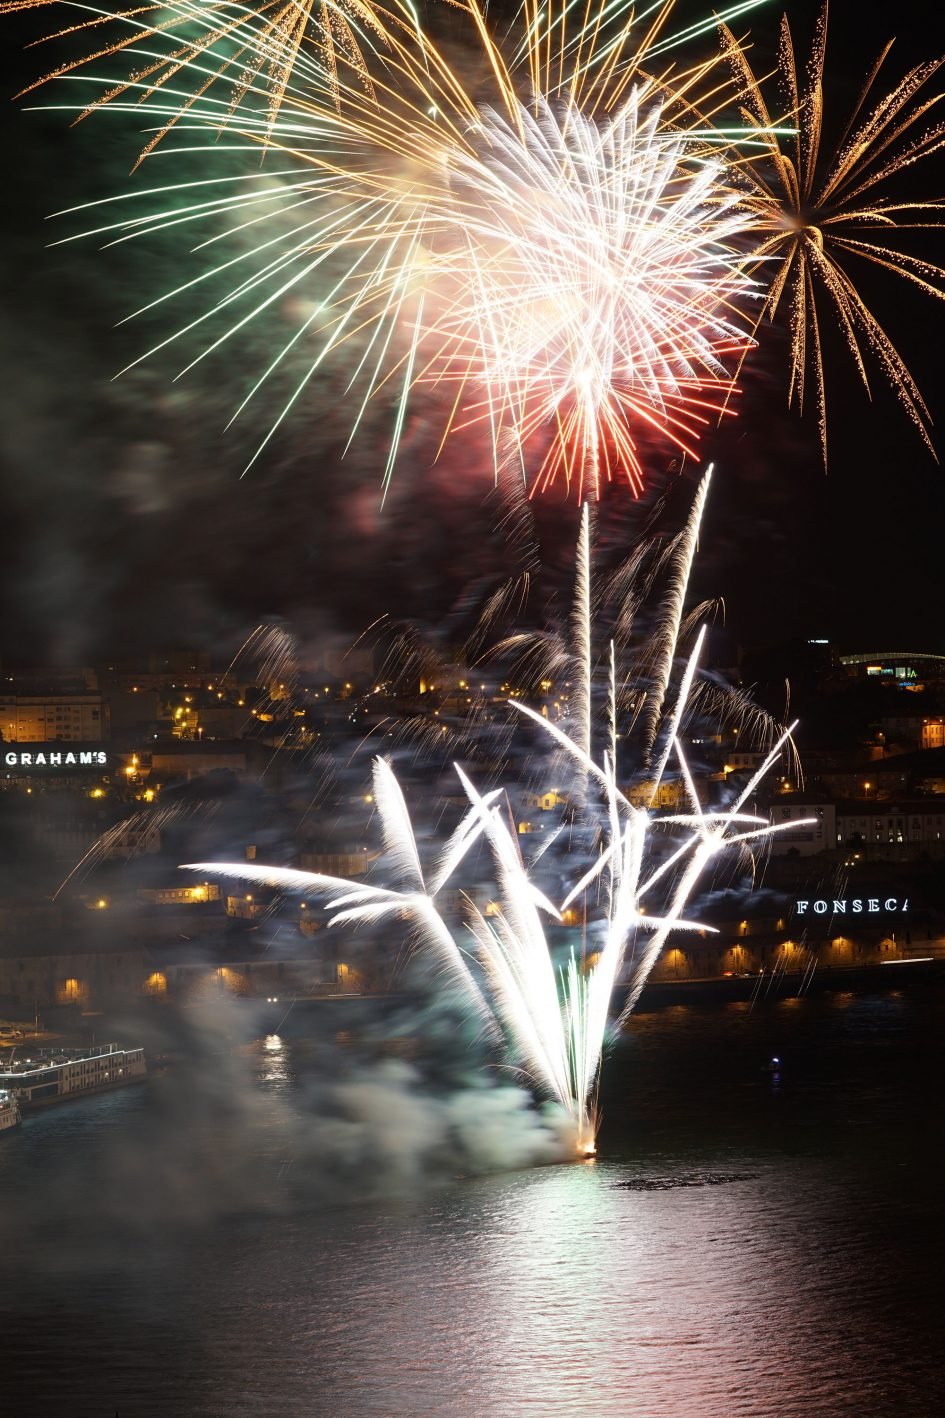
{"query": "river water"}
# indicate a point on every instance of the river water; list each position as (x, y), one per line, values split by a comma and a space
(748, 1243)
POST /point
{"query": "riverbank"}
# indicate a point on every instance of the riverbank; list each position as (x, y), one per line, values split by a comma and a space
(910, 972)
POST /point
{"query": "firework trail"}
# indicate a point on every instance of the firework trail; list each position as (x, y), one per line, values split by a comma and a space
(581, 629)
(818, 212)
(620, 671)
(250, 51)
(553, 1021)
(616, 653)
(555, 1035)
(667, 637)
(133, 833)
(551, 251)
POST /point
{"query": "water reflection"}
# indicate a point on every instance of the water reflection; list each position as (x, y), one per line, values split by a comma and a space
(807, 1288)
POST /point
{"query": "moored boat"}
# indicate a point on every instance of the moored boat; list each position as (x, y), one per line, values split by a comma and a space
(9, 1111)
(49, 1075)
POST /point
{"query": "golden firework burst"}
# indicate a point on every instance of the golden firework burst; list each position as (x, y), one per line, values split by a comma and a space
(252, 49)
(820, 212)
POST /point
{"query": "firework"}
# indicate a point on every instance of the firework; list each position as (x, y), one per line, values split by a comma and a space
(549, 248)
(554, 1023)
(246, 52)
(819, 212)
(636, 872)
(639, 614)
(592, 288)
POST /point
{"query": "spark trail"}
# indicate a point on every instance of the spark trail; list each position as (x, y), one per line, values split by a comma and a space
(824, 214)
(552, 248)
(635, 870)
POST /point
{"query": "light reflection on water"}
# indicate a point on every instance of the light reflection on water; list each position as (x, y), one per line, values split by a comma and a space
(810, 1288)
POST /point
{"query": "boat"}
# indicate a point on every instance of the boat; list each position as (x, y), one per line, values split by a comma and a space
(51, 1074)
(9, 1111)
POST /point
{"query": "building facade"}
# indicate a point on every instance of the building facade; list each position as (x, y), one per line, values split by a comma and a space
(807, 838)
(59, 718)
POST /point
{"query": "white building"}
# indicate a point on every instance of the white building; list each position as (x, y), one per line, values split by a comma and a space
(817, 836)
(63, 718)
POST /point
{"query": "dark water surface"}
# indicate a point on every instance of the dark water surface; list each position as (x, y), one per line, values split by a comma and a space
(162, 1257)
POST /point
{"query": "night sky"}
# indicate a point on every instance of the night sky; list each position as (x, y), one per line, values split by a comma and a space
(126, 523)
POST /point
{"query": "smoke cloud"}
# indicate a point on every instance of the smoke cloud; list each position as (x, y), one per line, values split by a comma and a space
(328, 1116)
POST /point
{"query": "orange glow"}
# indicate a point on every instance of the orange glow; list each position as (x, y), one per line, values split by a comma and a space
(72, 991)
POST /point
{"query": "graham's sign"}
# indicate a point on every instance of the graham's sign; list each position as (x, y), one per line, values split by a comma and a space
(855, 905)
(45, 756)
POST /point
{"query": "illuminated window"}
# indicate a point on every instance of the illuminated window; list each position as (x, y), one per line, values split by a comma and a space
(72, 991)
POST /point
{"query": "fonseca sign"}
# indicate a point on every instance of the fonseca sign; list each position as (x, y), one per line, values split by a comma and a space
(857, 905)
(44, 755)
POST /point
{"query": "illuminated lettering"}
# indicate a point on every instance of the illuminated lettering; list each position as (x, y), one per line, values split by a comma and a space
(872, 905)
(42, 759)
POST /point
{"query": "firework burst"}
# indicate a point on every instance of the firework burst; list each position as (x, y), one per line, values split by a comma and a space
(551, 246)
(634, 870)
(591, 287)
(821, 212)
